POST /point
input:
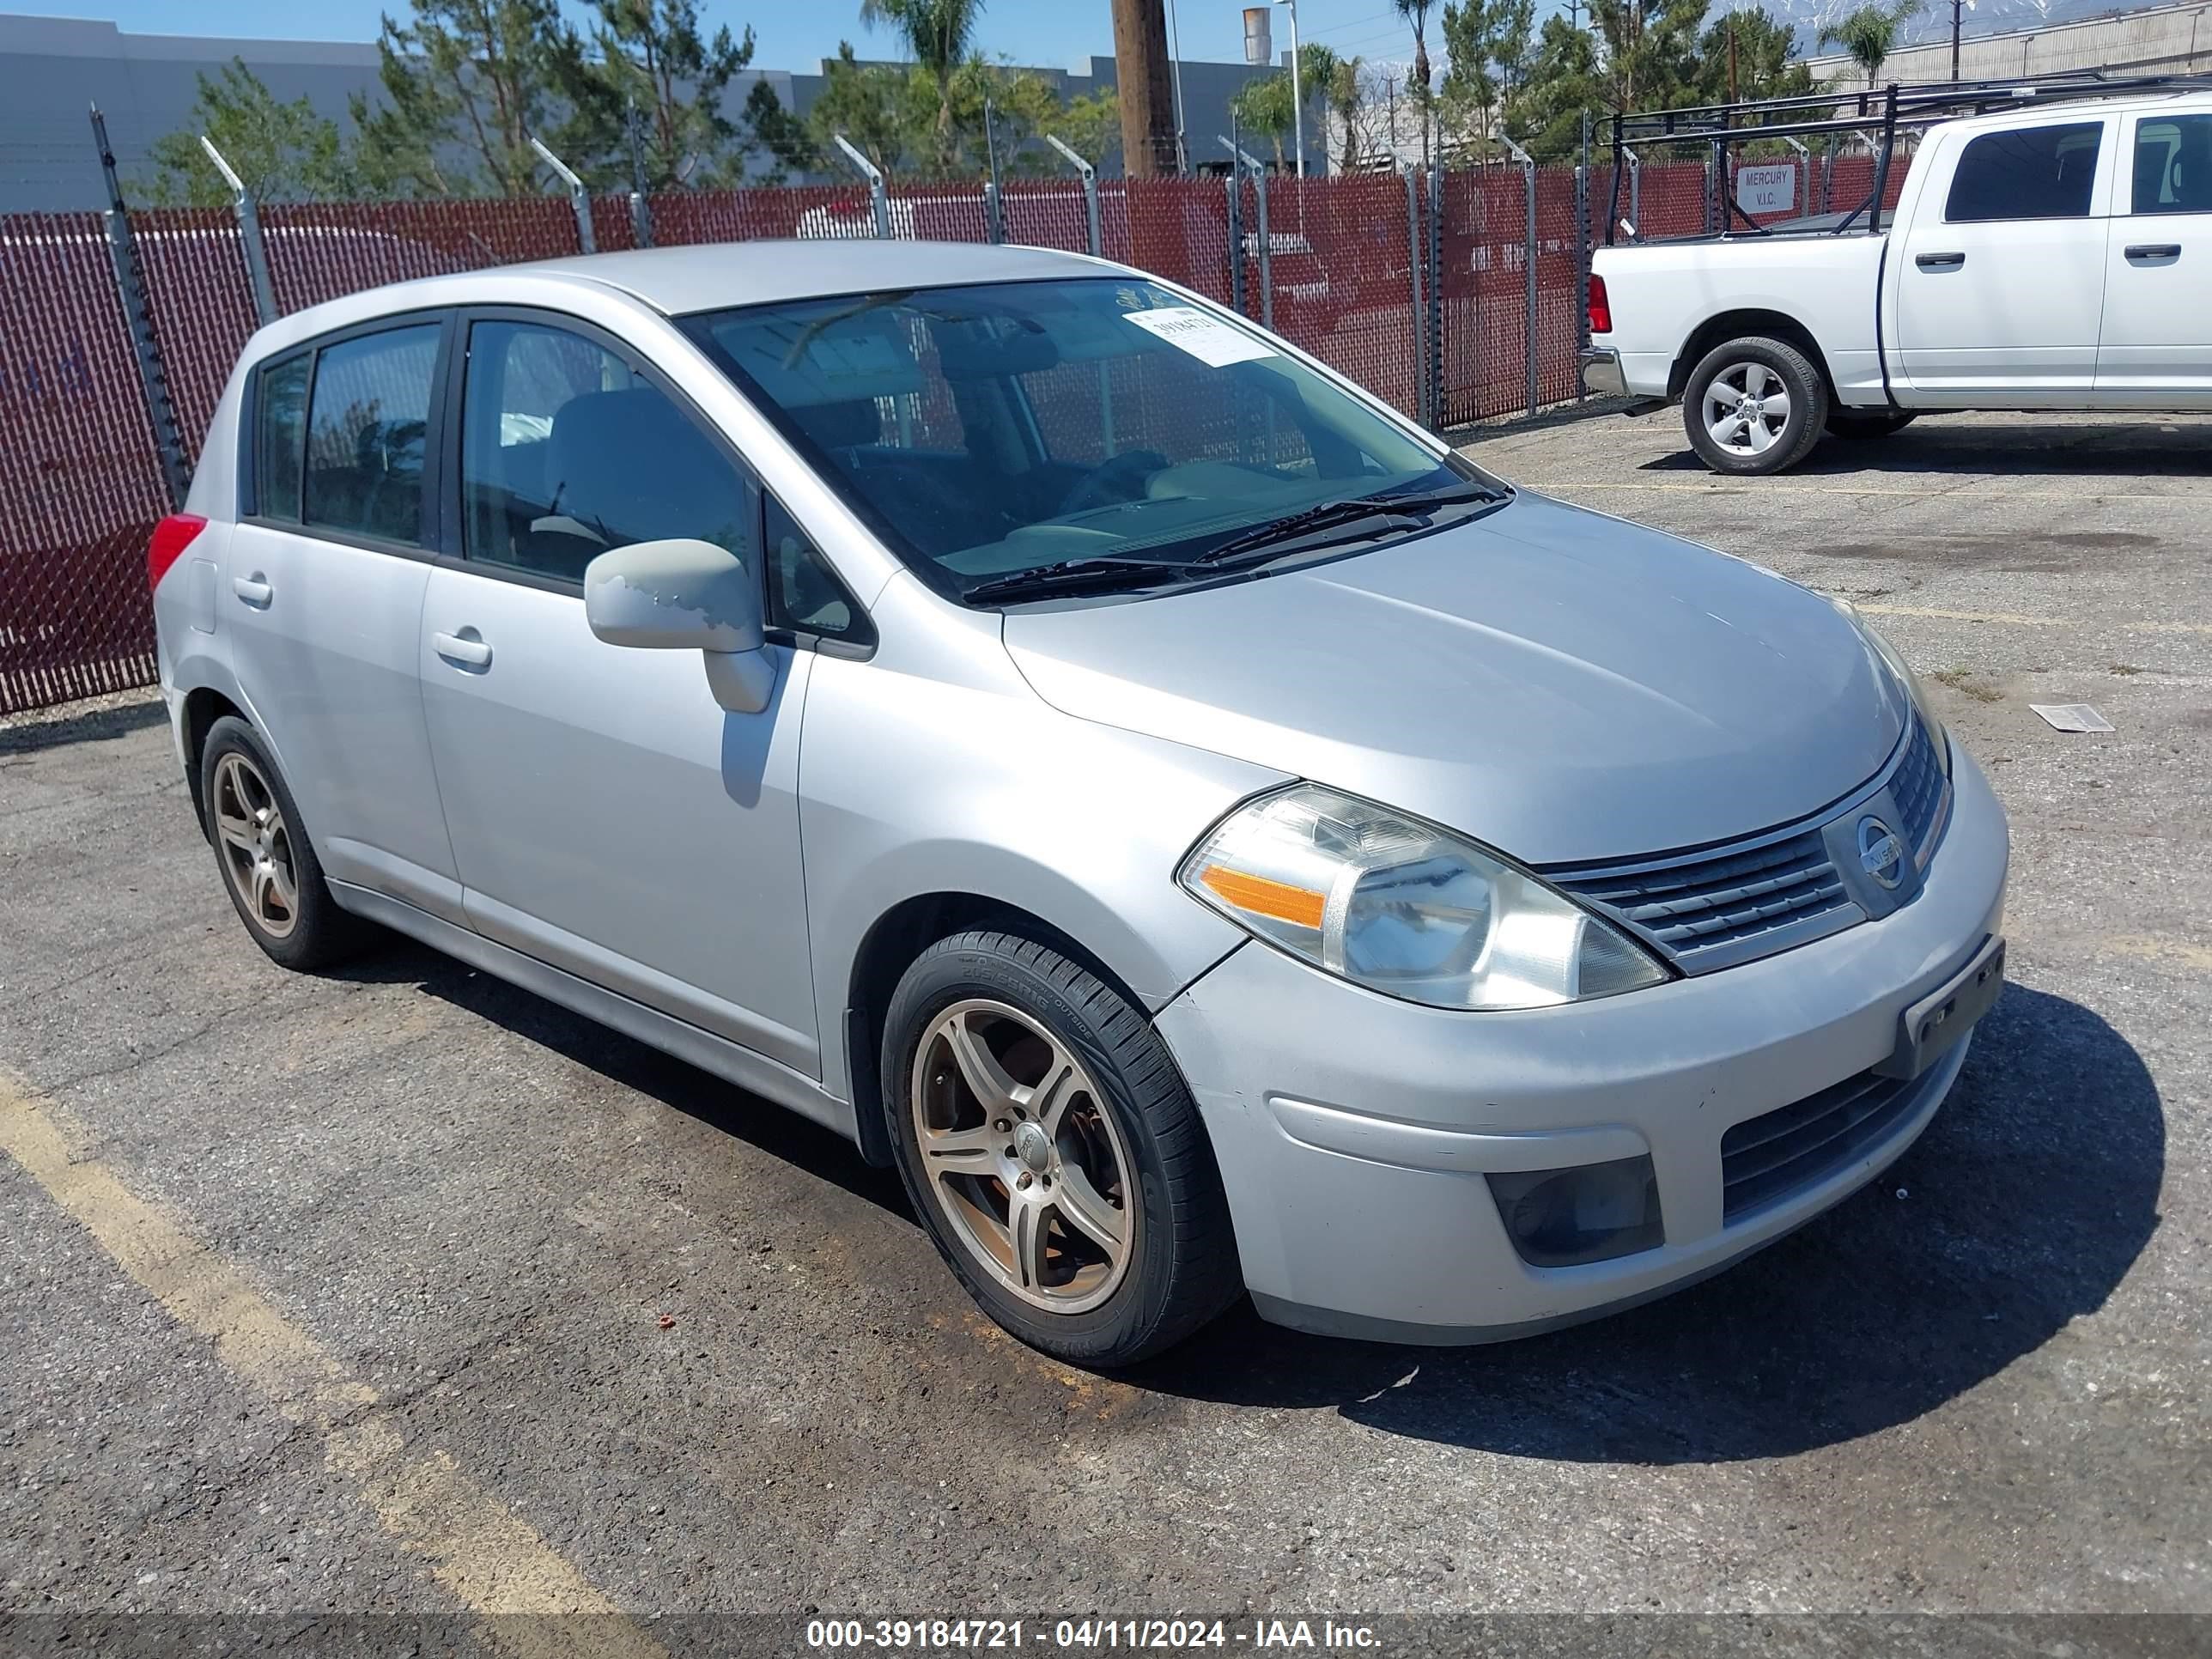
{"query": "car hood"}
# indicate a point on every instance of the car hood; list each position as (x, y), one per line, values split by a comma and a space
(1560, 685)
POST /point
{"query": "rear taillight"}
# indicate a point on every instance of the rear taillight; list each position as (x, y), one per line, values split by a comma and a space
(1601, 309)
(171, 537)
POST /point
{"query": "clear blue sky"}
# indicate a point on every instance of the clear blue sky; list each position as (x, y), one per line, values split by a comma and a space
(793, 33)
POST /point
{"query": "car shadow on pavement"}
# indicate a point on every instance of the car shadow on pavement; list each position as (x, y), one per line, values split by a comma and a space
(720, 1105)
(2020, 1209)
(2118, 449)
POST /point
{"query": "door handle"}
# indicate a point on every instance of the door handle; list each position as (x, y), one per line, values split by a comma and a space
(2155, 250)
(1940, 261)
(254, 590)
(466, 648)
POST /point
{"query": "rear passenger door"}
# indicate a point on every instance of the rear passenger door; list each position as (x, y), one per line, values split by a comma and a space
(322, 597)
(607, 815)
(1999, 278)
(2156, 350)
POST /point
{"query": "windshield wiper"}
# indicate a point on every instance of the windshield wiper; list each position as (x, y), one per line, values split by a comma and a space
(1097, 570)
(1393, 512)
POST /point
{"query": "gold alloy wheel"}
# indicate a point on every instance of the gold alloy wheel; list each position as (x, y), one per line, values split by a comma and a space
(256, 845)
(1021, 1155)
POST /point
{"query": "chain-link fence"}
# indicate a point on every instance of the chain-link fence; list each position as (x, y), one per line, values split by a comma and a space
(1419, 289)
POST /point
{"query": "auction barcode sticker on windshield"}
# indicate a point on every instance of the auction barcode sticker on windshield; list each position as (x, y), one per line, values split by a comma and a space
(1206, 338)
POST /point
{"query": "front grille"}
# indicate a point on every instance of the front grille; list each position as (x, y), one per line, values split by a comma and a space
(1768, 1157)
(1922, 792)
(1752, 898)
(1730, 906)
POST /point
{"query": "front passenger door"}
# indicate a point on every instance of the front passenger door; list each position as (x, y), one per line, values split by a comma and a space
(2156, 350)
(607, 815)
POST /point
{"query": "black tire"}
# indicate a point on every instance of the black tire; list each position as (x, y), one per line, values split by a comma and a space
(1842, 423)
(1807, 415)
(320, 934)
(1182, 1267)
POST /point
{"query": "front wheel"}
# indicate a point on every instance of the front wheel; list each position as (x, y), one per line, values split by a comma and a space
(1754, 406)
(1054, 1152)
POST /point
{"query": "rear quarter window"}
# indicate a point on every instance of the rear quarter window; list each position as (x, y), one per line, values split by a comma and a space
(367, 421)
(279, 426)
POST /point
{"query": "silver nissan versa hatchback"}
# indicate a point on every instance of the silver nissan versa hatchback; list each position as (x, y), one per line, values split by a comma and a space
(1206, 834)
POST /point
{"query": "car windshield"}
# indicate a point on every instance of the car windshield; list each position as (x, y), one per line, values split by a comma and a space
(1092, 427)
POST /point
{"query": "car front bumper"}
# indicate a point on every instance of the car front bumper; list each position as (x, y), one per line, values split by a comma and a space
(1354, 1132)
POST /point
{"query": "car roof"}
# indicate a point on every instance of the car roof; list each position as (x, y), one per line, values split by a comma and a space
(708, 276)
(2084, 108)
(705, 277)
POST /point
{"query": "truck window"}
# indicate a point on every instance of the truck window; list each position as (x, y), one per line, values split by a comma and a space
(2173, 164)
(2034, 172)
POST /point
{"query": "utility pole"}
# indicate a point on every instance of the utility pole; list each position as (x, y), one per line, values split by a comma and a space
(1298, 90)
(1731, 27)
(1147, 93)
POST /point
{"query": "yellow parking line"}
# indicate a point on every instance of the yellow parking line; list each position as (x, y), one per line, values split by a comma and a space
(2151, 948)
(1768, 487)
(490, 1559)
(2014, 619)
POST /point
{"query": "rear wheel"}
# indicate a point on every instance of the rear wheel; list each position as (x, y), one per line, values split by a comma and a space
(1844, 424)
(1754, 405)
(269, 868)
(1052, 1150)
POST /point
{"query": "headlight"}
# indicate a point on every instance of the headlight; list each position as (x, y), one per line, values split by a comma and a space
(1905, 677)
(1405, 908)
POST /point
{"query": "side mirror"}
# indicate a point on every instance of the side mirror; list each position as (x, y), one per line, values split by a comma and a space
(685, 596)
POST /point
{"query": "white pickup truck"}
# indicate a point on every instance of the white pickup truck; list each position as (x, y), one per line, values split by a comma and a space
(2055, 256)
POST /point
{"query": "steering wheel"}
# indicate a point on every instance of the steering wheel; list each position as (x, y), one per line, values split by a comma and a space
(1120, 479)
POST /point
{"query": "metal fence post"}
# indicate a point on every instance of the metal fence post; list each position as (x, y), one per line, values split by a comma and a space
(249, 236)
(578, 197)
(1414, 317)
(879, 197)
(1583, 248)
(1089, 175)
(1529, 263)
(1266, 249)
(139, 319)
(641, 212)
(1437, 284)
(1635, 196)
(1236, 183)
(994, 212)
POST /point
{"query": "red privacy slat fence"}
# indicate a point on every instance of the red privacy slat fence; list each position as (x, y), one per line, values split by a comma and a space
(82, 479)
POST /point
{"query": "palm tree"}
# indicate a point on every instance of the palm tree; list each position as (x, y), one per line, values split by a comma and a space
(1316, 73)
(1869, 34)
(938, 33)
(1345, 104)
(1416, 12)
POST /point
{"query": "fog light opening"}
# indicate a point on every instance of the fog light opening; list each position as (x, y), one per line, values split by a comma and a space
(1590, 1213)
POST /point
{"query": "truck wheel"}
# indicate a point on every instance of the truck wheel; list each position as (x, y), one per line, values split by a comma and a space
(1754, 405)
(1844, 424)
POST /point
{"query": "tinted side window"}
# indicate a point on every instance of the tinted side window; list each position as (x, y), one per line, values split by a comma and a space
(280, 428)
(366, 421)
(567, 452)
(2037, 173)
(2173, 164)
(804, 594)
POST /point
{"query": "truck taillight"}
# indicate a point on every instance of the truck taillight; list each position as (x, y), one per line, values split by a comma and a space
(171, 537)
(1601, 309)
